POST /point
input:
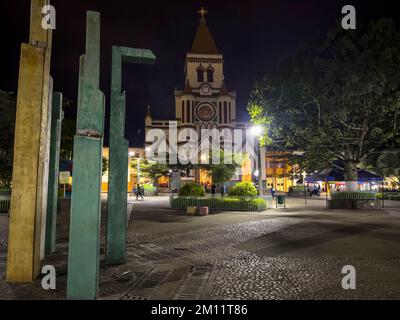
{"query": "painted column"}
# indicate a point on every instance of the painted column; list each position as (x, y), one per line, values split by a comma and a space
(51, 217)
(118, 165)
(119, 154)
(30, 144)
(84, 240)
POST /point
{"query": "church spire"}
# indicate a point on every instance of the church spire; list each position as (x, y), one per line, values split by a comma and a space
(202, 12)
(148, 114)
(203, 41)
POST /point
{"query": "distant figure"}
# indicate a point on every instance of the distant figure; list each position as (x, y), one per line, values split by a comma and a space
(205, 187)
(290, 191)
(223, 191)
(273, 192)
(139, 192)
(133, 190)
(213, 190)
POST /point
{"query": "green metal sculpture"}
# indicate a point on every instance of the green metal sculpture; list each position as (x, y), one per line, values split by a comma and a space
(118, 162)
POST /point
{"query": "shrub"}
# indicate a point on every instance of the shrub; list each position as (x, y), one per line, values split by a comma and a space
(229, 204)
(243, 190)
(191, 190)
(354, 195)
(149, 188)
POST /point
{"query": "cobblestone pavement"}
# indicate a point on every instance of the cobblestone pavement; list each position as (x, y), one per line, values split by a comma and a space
(296, 253)
(292, 254)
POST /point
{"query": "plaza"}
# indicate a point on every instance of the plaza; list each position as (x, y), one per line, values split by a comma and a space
(297, 253)
(177, 152)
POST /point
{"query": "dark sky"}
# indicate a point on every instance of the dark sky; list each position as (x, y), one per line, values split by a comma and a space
(251, 34)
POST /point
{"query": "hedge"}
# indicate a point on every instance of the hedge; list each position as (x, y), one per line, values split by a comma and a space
(244, 189)
(192, 190)
(394, 196)
(228, 204)
(354, 195)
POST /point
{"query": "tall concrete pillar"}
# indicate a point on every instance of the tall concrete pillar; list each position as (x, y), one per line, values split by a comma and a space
(84, 241)
(118, 165)
(30, 144)
(51, 215)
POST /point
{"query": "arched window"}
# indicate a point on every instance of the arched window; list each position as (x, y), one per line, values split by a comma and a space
(188, 111)
(225, 112)
(210, 75)
(200, 74)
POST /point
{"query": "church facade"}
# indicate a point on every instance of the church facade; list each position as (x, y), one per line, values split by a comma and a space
(205, 102)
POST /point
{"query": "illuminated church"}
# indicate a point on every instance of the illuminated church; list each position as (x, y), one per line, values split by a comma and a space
(205, 102)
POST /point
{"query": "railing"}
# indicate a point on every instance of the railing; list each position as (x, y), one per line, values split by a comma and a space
(221, 203)
(5, 203)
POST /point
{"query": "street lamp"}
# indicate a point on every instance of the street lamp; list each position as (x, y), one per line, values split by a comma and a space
(169, 179)
(257, 131)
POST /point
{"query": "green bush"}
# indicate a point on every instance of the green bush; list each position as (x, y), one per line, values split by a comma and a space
(394, 196)
(192, 190)
(243, 190)
(354, 195)
(229, 204)
(149, 188)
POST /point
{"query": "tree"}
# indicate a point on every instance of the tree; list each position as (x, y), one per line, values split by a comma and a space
(338, 98)
(224, 171)
(8, 104)
(68, 131)
(104, 167)
(388, 165)
(150, 169)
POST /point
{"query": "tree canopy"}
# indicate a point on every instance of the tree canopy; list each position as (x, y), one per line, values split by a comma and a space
(337, 97)
(8, 103)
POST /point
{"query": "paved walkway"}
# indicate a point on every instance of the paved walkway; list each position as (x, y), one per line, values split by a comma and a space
(297, 253)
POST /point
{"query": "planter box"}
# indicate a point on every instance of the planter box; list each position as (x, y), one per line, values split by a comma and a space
(223, 204)
(191, 211)
(354, 204)
(203, 211)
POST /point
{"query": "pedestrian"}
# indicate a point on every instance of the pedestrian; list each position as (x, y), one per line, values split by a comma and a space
(273, 192)
(133, 190)
(213, 190)
(223, 191)
(138, 192)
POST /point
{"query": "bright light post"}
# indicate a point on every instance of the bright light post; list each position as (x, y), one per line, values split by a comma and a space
(169, 179)
(257, 131)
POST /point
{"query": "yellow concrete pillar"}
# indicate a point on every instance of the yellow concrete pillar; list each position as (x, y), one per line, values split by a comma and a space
(30, 152)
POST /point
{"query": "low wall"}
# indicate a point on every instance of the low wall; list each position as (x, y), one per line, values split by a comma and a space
(354, 204)
(219, 203)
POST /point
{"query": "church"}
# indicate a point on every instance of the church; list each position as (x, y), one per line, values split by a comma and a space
(205, 102)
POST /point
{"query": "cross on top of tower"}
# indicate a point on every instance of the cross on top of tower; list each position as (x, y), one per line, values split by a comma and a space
(202, 12)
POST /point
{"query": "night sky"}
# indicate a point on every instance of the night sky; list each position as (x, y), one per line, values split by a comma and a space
(251, 34)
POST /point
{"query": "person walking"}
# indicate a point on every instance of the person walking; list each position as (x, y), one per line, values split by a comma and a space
(213, 190)
(223, 191)
(139, 192)
(133, 190)
(273, 192)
